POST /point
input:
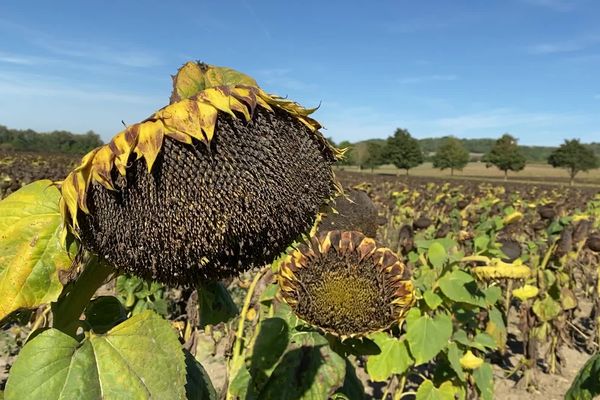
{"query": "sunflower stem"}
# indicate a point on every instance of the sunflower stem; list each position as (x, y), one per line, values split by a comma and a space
(237, 358)
(67, 310)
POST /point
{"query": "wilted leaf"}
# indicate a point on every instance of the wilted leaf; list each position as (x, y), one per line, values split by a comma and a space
(546, 309)
(31, 254)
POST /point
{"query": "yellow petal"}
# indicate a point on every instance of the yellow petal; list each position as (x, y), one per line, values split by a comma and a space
(470, 361)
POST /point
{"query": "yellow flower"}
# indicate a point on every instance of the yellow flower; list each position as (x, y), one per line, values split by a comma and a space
(470, 361)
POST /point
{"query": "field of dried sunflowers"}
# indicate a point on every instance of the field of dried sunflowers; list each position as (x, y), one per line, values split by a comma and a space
(210, 252)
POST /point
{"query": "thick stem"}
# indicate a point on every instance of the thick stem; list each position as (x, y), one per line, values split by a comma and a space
(67, 310)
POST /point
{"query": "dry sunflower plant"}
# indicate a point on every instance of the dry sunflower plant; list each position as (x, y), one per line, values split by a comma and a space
(224, 179)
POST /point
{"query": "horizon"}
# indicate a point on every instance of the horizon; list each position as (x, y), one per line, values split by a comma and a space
(526, 67)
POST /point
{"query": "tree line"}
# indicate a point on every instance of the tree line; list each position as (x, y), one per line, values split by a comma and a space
(405, 152)
(52, 142)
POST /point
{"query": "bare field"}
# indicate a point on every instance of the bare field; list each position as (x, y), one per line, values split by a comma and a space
(541, 173)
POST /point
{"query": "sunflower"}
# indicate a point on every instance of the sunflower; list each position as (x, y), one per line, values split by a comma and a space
(221, 180)
(344, 284)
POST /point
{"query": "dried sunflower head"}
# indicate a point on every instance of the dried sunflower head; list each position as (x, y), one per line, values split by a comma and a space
(345, 285)
(221, 180)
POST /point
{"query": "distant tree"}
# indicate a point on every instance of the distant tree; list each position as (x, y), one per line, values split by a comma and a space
(349, 156)
(374, 156)
(505, 155)
(452, 154)
(574, 157)
(403, 150)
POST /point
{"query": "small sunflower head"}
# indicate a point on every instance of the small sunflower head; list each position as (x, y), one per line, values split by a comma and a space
(345, 285)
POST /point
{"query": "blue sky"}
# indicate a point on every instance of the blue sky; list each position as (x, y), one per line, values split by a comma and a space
(463, 68)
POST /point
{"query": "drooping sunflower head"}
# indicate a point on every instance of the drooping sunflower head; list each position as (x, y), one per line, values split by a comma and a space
(222, 179)
(345, 284)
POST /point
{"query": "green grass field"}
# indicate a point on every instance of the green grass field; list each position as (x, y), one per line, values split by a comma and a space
(538, 173)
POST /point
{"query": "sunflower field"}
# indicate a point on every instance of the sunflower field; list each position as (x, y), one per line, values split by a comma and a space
(213, 251)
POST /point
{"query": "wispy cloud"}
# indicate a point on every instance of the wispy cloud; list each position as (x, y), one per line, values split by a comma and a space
(427, 78)
(555, 5)
(597, 96)
(566, 46)
(280, 79)
(502, 119)
(118, 54)
(33, 85)
(22, 59)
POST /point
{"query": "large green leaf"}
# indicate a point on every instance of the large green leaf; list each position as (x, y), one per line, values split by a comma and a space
(31, 254)
(138, 359)
(461, 287)
(454, 355)
(586, 384)
(393, 359)
(428, 336)
(306, 373)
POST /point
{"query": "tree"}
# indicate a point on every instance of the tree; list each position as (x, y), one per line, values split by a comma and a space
(403, 150)
(574, 157)
(349, 156)
(374, 157)
(452, 154)
(505, 155)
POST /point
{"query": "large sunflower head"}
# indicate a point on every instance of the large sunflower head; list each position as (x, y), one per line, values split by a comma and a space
(344, 284)
(222, 179)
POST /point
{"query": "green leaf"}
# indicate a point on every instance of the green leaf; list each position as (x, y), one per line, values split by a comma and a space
(353, 388)
(492, 295)
(31, 254)
(198, 385)
(454, 355)
(241, 384)
(481, 242)
(496, 328)
(393, 359)
(461, 287)
(485, 340)
(546, 309)
(586, 384)
(139, 358)
(105, 312)
(215, 304)
(307, 373)
(432, 300)
(270, 344)
(484, 380)
(437, 255)
(427, 391)
(428, 336)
